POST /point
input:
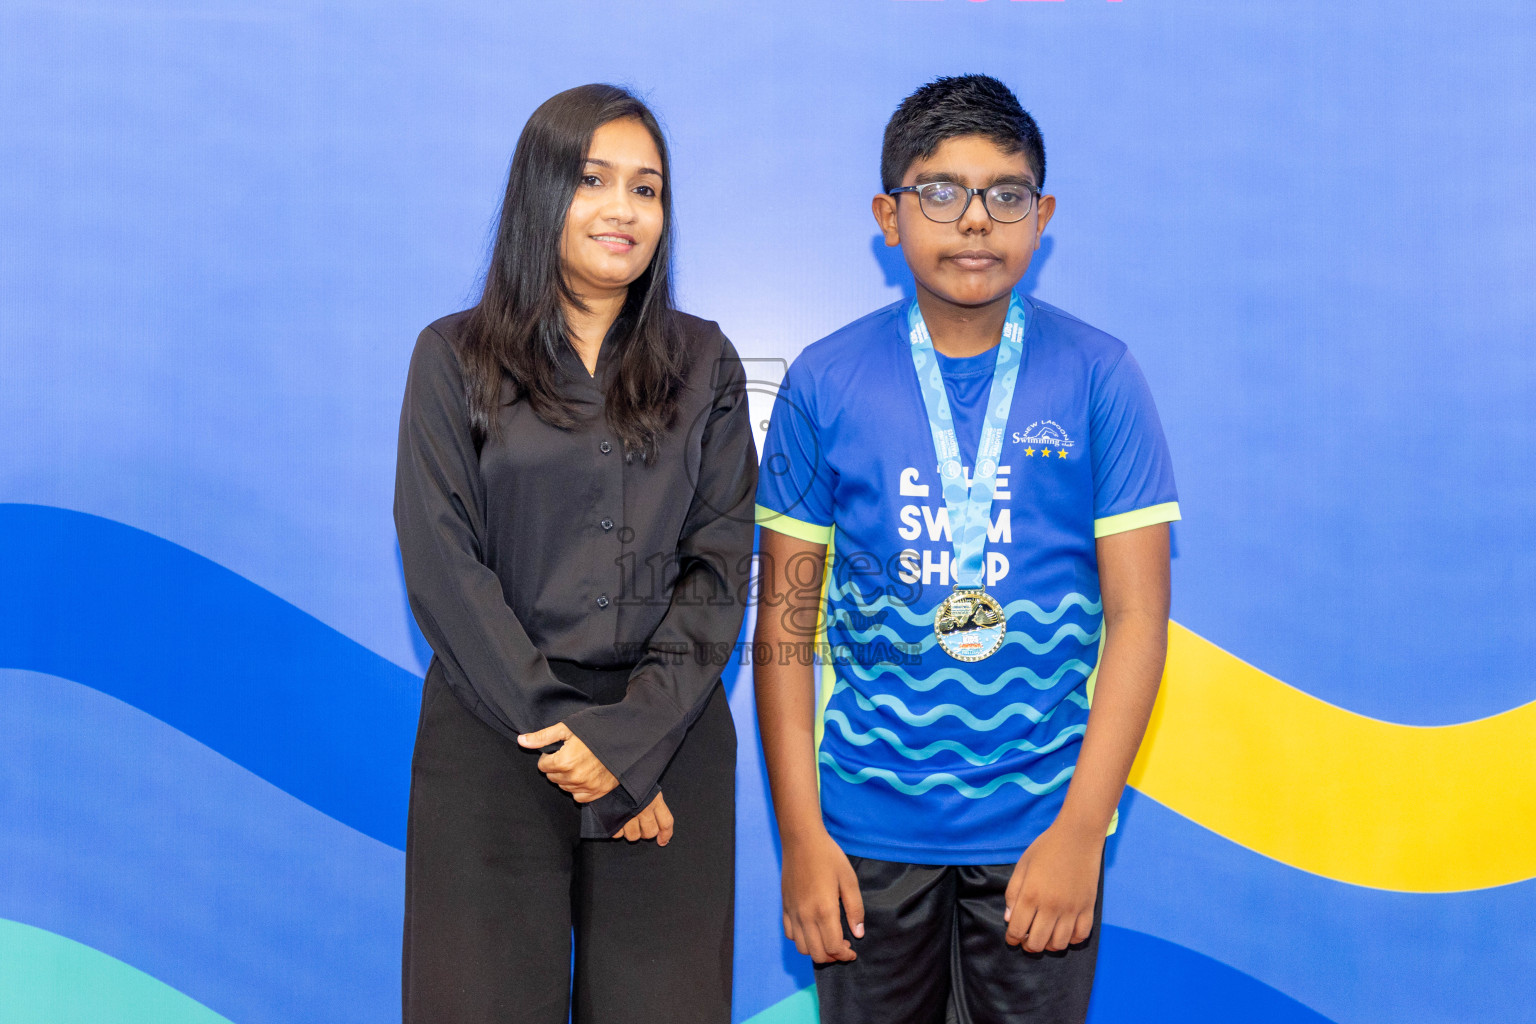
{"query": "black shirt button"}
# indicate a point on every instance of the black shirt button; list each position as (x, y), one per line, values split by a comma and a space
(607, 524)
(605, 447)
(602, 602)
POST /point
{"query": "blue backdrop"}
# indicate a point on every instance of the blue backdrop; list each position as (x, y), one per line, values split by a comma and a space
(223, 226)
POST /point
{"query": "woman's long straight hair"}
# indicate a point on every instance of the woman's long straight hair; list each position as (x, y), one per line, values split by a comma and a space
(519, 327)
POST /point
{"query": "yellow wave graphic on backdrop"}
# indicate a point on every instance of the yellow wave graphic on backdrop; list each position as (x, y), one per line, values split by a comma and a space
(1409, 808)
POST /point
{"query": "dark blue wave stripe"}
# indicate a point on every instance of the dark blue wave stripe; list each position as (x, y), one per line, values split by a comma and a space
(1147, 980)
(125, 834)
(212, 654)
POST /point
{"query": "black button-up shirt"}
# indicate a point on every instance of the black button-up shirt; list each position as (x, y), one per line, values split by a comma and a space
(547, 543)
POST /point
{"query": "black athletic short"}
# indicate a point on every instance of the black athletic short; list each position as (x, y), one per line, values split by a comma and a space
(933, 953)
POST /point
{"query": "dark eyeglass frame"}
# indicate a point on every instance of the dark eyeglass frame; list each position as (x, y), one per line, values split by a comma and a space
(971, 193)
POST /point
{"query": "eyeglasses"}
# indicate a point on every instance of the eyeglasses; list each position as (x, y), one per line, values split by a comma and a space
(1007, 202)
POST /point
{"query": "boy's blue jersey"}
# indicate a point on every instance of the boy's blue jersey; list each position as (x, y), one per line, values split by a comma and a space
(923, 758)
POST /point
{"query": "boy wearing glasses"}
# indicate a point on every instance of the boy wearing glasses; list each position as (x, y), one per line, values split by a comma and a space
(964, 501)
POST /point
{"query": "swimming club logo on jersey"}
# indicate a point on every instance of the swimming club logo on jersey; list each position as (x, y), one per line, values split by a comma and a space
(1047, 437)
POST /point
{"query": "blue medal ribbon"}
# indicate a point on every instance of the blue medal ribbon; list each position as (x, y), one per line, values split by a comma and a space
(969, 508)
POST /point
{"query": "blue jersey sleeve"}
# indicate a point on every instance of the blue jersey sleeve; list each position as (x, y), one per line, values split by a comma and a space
(795, 482)
(1132, 473)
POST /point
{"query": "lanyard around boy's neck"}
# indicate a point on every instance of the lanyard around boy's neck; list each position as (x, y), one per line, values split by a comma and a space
(969, 508)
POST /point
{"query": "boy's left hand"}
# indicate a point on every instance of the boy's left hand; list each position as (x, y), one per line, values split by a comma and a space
(1051, 895)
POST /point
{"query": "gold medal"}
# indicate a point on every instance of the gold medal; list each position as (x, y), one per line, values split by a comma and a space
(970, 624)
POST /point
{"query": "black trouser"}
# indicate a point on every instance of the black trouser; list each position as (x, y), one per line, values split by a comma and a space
(933, 952)
(497, 879)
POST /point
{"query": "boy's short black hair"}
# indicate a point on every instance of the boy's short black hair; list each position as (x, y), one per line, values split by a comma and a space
(950, 107)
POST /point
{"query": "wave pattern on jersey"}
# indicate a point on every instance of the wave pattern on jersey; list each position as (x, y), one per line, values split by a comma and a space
(880, 704)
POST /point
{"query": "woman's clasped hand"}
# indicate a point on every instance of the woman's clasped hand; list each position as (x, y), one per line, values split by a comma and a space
(573, 767)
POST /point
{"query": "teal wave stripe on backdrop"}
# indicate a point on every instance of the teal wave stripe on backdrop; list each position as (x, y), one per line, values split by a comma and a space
(50, 979)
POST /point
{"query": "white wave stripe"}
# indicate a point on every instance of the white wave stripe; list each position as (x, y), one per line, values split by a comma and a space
(850, 590)
(965, 679)
(841, 617)
(879, 733)
(938, 711)
(962, 787)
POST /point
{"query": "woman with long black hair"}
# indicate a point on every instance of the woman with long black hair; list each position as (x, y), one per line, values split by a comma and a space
(574, 506)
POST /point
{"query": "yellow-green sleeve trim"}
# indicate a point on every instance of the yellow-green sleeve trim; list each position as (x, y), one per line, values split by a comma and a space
(778, 522)
(1167, 512)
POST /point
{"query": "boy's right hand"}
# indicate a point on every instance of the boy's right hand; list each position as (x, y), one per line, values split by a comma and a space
(817, 878)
